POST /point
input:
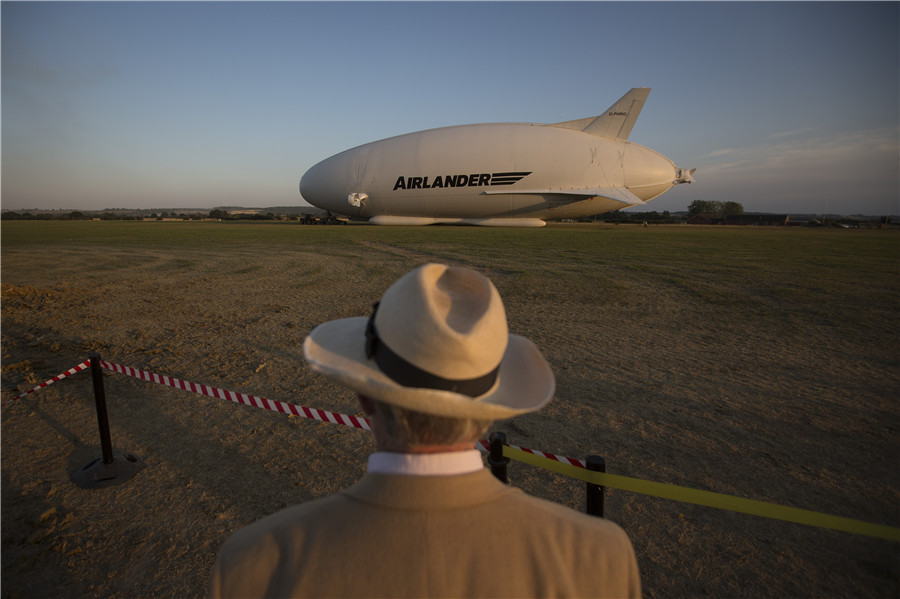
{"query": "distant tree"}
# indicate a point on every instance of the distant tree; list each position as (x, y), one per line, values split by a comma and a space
(719, 209)
(701, 207)
(732, 209)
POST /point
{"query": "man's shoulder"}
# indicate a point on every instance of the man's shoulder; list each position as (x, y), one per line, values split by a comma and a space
(309, 508)
(270, 529)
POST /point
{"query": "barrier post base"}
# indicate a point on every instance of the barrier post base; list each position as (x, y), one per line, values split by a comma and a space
(98, 474)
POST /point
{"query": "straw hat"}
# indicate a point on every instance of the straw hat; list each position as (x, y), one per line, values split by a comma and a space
(437, 343)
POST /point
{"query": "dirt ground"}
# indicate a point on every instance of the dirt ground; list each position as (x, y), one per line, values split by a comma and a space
(771, 406)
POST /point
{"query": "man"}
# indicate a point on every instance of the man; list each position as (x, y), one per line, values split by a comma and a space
(433, 367)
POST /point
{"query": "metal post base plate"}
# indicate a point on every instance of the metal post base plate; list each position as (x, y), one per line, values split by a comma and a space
(96, 474)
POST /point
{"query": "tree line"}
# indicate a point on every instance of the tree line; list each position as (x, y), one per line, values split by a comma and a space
(124, 215)
(714, 208)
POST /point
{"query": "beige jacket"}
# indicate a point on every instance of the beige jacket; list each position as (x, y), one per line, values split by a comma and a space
(427, 536)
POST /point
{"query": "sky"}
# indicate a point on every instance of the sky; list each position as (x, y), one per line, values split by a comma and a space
(782, 107)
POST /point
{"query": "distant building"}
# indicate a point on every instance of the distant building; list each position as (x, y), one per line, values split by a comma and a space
(804, 222)
(704, 219)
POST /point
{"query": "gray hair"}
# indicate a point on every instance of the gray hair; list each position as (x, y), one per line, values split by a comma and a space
(412, 428)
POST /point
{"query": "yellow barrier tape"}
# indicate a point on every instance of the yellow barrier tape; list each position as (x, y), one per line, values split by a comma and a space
(708, 498)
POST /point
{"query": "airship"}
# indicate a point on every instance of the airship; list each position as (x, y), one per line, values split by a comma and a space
(497, 174)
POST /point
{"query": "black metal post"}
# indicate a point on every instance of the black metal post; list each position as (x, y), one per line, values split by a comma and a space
(102, 415)
(594, 503)
(496, 460)
(110, 469)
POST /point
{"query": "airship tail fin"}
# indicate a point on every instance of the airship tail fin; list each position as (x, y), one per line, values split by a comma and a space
(618, 120)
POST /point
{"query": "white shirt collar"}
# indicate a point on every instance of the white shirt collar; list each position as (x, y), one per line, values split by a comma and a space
(426, 464)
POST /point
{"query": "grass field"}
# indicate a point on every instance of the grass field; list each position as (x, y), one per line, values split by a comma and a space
(759, 362)
(824, 273)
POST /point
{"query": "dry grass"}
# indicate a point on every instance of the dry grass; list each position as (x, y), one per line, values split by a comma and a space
(758, 363)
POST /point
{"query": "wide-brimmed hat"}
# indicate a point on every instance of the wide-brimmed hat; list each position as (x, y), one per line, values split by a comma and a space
(437, 343)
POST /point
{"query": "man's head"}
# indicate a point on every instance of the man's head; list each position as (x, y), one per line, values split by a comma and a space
(437, 343)
(400, 430)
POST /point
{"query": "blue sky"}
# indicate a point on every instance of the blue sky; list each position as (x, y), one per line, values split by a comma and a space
(783, 107)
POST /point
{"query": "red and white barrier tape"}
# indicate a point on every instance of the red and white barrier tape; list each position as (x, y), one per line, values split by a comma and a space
(550, 456)
(485, 446)
(261, 402)
(59, 377)
(286, 408)
(250, 400)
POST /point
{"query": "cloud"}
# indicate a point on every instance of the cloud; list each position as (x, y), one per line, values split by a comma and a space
(851, 172)
(790, 133)
(821, 153)
(717, 153)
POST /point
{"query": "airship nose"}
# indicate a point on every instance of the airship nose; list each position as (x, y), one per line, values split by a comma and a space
(330, 183)
(315, 188)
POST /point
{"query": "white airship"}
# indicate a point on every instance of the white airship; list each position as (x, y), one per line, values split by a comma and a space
(497, 174)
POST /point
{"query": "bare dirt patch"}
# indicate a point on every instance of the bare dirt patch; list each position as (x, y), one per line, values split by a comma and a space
(682, 372)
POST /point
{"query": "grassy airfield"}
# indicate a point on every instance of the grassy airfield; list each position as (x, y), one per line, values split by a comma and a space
(758, 362)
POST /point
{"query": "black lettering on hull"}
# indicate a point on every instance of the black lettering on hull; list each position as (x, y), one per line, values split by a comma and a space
(470, 180)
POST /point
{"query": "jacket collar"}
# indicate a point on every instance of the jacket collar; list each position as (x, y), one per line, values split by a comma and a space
(426, 464)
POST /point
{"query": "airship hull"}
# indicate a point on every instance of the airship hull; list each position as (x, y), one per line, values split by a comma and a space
(495, 171)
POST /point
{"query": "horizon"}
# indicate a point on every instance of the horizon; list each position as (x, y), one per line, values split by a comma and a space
(627, 211)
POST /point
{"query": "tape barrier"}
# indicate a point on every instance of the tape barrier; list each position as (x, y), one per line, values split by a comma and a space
(707, 498)
(249, 400)
(286, 408)
(570, 467)
(540, 455)
(59, 377)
